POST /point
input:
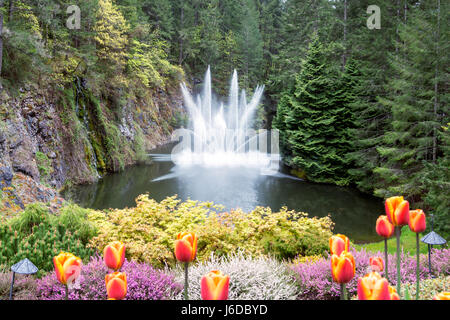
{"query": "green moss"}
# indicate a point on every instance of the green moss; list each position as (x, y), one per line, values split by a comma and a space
(44, 165)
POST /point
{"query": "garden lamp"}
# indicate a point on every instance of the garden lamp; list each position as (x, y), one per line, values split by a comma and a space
(431, 239)
(24, 266)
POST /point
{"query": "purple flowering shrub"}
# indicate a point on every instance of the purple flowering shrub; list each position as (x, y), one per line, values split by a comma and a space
(316, 283)
(143, 283)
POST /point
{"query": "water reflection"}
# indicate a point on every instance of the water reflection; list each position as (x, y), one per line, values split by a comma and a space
(353, 212)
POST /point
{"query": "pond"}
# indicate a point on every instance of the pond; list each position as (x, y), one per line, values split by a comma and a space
(353, 212)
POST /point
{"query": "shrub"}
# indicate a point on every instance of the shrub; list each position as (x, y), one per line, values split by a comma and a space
(74, 219)
(144, 283)
(39, 236)
(149, 230)
(315, 281)
(261, 278)
(429, 287)
(33, 215)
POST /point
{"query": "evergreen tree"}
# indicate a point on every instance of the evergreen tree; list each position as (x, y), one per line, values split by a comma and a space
(316, 121)
(417, 103)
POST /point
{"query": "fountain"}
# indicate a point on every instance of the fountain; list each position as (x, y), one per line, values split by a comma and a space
(222, 134)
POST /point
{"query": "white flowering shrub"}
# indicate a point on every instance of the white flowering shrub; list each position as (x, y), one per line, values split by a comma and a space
(260, 278)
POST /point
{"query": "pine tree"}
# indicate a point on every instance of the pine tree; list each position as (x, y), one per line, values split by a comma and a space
(416, 101)
(315, 120)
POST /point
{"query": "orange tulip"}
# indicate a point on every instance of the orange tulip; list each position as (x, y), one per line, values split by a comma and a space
(342, 267)
(116, 285)
(67, 267)
(417, 221)
(442, 296)
(384, 227)
(114, 255)
(186, 246)
(397, 211)
(214, 286)
(376, 263)
(373, 287)
(338, 244)
(393, 293)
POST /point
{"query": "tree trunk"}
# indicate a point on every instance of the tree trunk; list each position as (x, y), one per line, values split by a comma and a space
(436, 79)
(180, 59)
(1, 37)
(11, 10)
(344, 56)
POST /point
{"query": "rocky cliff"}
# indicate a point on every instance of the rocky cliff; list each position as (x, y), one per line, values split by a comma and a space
(48, 141)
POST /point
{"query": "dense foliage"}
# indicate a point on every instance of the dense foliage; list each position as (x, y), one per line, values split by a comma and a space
(150, 228)
(37, 235)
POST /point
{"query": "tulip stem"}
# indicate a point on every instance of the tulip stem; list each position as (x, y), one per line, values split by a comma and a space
(397, 234)
(343, 291)
(386, 273)
(67, 292)
(417, 266)
(186, 280)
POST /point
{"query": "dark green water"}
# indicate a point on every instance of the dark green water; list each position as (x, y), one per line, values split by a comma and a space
(353, 212)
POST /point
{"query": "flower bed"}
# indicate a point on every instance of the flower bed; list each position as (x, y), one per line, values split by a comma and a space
(315, 281)
(144, 283)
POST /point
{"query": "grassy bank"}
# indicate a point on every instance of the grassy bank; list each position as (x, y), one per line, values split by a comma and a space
(407, 242)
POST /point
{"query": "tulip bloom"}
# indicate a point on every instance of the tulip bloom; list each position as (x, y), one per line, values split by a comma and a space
(214, 286)
(376, 263)
(114, 255)
(417, 221)
(442, 296)
(397, 211)
(393, 293)
(384, 227)
(185, 251)
(342, 267)
(417, 224)
(186, 247)
(373, 287)
(116, 285)
(338, 244)
(67, 269)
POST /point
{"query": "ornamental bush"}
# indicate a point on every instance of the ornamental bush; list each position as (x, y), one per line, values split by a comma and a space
(261, 278)
(149, 230)
(143, 283)
(39, 236)
(315, 281)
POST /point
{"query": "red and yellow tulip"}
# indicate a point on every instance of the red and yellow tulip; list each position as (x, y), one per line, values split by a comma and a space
(116, 285)
(67, 267)
(186, 246)
(376, 263)
(397, 211)
(442, 296)
(214, 286)
(393, 293)
(338, 244)
(114, 255)
(417, 221)
(373, 287)
(342, 267)
(384, 227)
